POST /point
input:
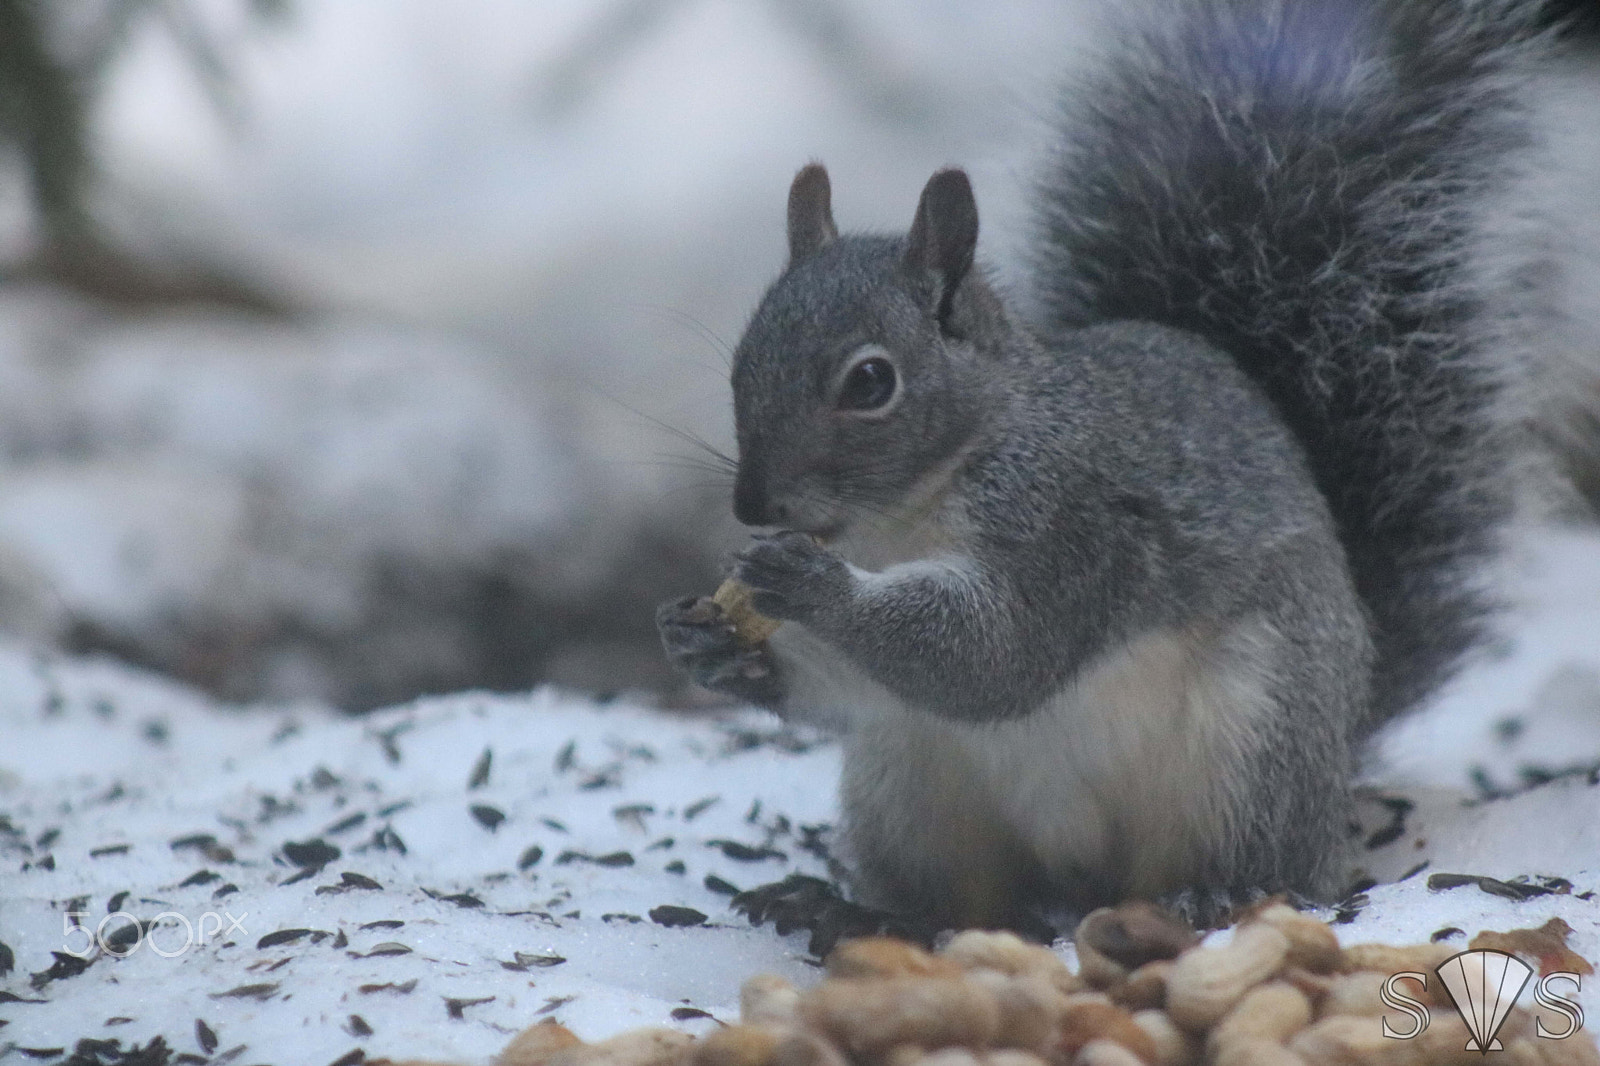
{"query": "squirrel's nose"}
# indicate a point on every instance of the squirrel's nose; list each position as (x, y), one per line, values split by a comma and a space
(754, 505)
(750, 499)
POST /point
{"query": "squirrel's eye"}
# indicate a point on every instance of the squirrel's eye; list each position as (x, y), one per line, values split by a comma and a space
(868, 386)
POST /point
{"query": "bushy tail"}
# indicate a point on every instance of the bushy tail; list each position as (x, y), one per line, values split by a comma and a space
(1295, 180)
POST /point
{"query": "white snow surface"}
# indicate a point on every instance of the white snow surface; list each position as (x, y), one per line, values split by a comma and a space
(125, 792)
(107, 758)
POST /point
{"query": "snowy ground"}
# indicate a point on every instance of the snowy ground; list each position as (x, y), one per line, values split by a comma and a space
(503, 853)
(429, 879)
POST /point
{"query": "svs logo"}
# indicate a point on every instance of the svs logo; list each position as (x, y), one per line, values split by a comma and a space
(1484, 986)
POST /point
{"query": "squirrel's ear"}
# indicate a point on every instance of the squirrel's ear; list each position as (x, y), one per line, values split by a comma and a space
(945, 232)
(811, 225)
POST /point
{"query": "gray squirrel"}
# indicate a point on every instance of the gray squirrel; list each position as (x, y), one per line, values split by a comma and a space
(1107, 600)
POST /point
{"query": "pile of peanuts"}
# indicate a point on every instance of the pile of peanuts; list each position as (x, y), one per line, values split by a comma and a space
(1281, 992)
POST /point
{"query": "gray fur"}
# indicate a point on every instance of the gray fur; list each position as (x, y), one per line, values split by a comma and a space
(1296, 182)
(1085, 602)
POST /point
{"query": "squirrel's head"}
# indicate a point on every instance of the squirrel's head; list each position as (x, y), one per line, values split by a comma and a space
(858, 374)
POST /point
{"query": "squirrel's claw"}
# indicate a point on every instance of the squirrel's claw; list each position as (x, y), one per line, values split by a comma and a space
(701, 642)
(791, 576)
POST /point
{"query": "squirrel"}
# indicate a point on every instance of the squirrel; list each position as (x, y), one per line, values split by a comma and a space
(1106, 597)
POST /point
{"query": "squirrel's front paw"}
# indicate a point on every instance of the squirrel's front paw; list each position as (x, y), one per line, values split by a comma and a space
(700, 640)
(792, 577)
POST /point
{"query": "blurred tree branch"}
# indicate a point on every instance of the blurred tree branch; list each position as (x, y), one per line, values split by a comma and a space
(47, 89)
(43, 116)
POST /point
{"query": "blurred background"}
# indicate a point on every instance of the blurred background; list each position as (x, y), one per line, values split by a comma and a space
(357, 349)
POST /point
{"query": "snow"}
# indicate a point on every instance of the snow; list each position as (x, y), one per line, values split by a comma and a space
(104, 768)
(107, 758)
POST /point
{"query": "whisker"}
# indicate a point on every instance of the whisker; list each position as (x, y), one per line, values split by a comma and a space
(684, 463)
(705, 332)
(710, 488)
(719, 463)
(692, 439)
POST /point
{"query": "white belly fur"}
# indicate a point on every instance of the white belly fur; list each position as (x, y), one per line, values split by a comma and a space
(1124, 772)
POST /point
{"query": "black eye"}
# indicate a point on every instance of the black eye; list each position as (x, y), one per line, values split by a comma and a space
(869, 386)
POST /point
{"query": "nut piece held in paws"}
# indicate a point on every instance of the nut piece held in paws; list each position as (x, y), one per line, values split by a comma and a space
(749, 627)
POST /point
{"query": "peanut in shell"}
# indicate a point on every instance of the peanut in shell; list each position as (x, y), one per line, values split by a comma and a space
(864, 1016)
(1255, 1052)
(1030, 1007)
(1578, 1050)
(1312, 945)
(951, 1056)
(1205, 984)
(1010, 1056)
(1145, 988)
(736, 1045)
(635, 1047)
(1391, 958)
(1173, 1046)
(1359, 994)
(800, 1048)
(1087, 1021)
(537, 1045)
(885, 956)
(1106, 1053)
(1271, 1012)
(1010, 954)
(767, 999)
(1114, 941)
(1346, 1040)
